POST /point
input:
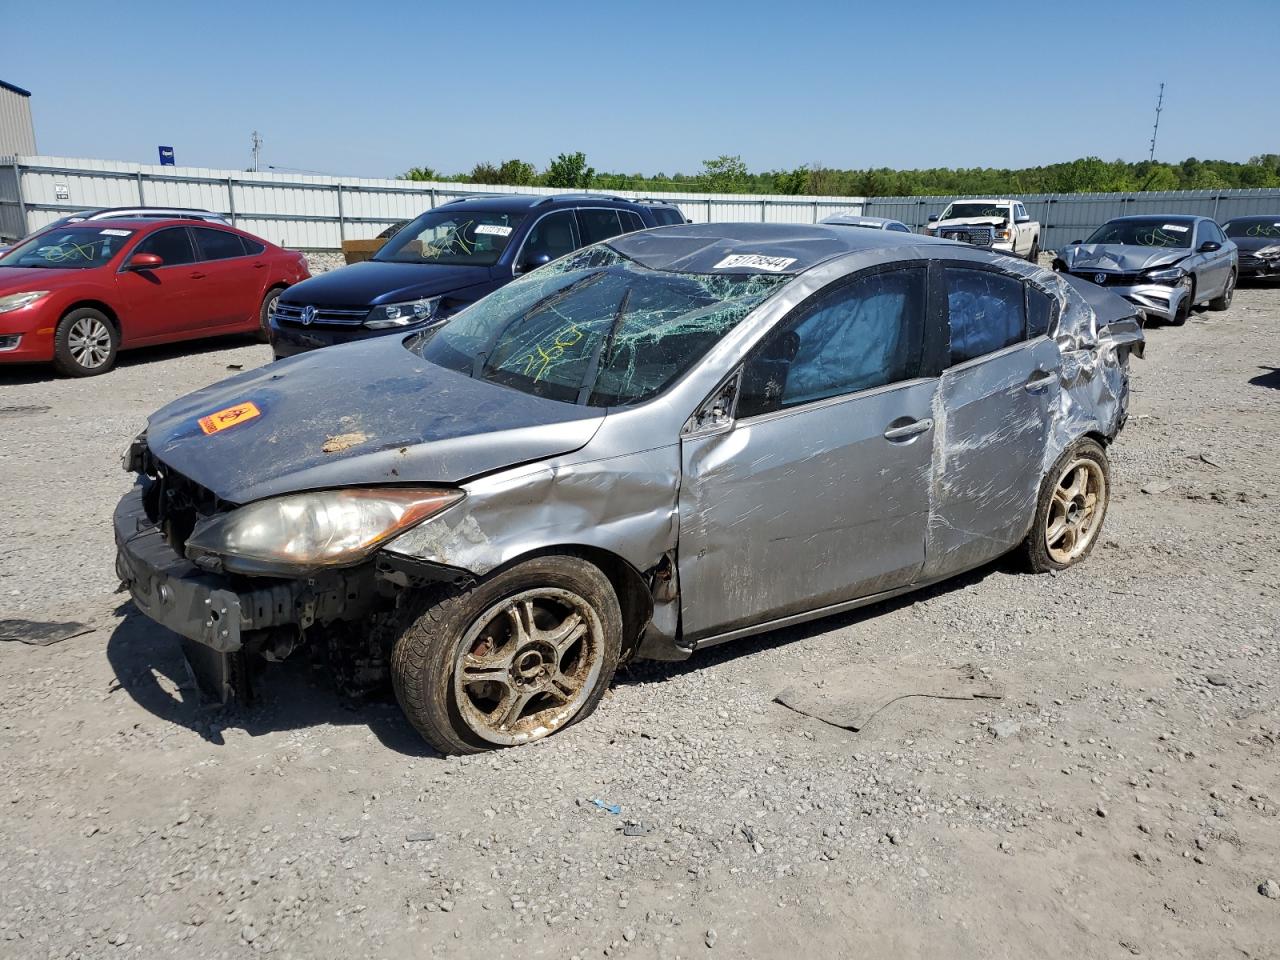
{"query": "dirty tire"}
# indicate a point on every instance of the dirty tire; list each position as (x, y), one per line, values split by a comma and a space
(1224, 302)
(264, 313)
(428, 656)
(85, 343)
(1033, 256)
(1184, 309)
(1036, 549)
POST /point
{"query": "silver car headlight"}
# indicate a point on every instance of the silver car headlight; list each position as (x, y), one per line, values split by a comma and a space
(300, 531)
(16, 301)
(389, 315)
(1170, 276)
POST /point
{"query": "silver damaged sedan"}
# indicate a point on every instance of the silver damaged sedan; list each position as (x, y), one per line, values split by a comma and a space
(666, 441)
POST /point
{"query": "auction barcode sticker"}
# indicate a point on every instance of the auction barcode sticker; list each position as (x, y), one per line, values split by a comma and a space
(772, 264)
(493, 230)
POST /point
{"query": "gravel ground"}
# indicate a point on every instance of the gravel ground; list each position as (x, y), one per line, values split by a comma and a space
(1120, 800)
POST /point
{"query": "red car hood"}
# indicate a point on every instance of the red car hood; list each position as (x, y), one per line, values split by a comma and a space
(14, 279)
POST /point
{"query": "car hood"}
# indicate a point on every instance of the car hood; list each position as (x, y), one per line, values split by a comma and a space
(373, 281)
(971, 222)
(359, 414)
(14, 279)
(1120, 257)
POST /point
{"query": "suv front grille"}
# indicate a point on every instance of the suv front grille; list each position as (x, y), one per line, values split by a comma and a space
(295, 315)
(977, 236)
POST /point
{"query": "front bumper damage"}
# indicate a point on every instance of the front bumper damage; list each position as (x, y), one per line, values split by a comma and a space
(1158, 300)
(219, 616)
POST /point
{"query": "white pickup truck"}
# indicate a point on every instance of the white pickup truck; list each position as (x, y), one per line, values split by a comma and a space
(1000, 225)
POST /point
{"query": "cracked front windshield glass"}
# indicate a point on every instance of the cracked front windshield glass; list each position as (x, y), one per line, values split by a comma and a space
(596, 328)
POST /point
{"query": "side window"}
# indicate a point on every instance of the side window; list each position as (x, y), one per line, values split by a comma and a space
(1210, 231)
(598, 225)
(899, 227)
(173, 246)
(253, 247)
(863, 334)
(552, 236)
(1041, 310)
(987, 312)
(1019, 211)
(630, 221)
(217, 244)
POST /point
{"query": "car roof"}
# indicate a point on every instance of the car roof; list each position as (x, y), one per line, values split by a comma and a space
(1174, 217)
(143, 223)
(994, 200)
(857, 220)
(785, 248)
(512, 202)
(1260, 217)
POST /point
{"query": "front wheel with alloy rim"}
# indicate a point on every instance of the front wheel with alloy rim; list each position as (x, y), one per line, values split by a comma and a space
(85, 343)
(1183, 311)
(513, 659)
(1072, 505)
(1224, 302)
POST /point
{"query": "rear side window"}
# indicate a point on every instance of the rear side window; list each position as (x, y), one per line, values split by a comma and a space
(864, 334)
(665, 216)
(987, 312)
(1040, 312)
(630, 221)
(598, 225)
(218, 244)
(253, 247)
(173, 246)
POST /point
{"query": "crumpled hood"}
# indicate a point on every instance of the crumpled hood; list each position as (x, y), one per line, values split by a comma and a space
(373, 282)
(970, 222)
(385, 415)
(1120, 257)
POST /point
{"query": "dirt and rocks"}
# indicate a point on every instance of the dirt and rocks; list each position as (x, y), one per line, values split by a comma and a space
(1121, 799)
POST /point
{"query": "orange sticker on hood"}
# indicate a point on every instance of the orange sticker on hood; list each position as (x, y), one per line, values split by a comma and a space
(229, 417)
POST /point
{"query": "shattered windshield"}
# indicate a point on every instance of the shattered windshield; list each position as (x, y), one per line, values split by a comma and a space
(1143, 233)
(471, 238)
(596, 327)
(1268, 228)
(963, 211)
(75, 248)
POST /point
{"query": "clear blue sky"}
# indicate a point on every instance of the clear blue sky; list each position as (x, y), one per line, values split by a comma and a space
(369, 89)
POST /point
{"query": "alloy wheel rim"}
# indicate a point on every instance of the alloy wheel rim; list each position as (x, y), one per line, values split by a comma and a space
(527, 665)
(89, 341)
(1075, 513)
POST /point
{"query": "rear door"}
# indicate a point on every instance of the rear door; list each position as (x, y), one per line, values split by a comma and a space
(1217, 268)
(166, 302)
(995, 404)
(819, 490)
(234, 280)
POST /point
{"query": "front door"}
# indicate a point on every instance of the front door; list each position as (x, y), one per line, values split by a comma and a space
(819, 491)
(168, 301)
(998, 398)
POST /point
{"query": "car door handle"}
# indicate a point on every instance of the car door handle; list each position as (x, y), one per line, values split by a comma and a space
(1038, 382)
(197, 275)
(259, 265)
(909, 430)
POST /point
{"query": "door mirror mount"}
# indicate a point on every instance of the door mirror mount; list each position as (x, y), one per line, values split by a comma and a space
(933, 218)
(145, 261)
(1209, 246)
(532, 262)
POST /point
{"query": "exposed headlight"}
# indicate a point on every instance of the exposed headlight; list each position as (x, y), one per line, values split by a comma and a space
(328, 528)
(1003, 234)
(16, 301)
(1170, 275)
(1271, 250)
(402, 314)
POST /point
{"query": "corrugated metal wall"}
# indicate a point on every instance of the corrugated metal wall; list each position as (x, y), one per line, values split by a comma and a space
(1073, 216)
(315, 212)
(17, 134)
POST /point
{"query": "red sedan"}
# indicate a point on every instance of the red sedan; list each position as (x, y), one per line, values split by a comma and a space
(76, 295)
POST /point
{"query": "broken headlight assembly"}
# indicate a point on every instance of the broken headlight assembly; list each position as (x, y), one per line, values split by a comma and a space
(1269, 252)
(390, 315)
(304, 531)
(1170, 276)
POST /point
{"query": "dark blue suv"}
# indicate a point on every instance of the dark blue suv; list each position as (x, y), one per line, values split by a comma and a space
(448, 258)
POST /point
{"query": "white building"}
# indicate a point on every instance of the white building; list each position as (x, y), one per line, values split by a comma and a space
(17, 134)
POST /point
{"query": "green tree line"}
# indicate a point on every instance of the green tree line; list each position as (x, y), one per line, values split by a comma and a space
(729, 174)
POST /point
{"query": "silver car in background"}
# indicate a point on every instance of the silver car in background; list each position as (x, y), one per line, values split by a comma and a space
(1165, 265)
(666, 441)
(866, 223)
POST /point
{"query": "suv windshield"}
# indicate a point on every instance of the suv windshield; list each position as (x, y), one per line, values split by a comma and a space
(595, 328)
(1143, 233)
(69, 248)
(474, 238)
(1267, 228)
(961, 211)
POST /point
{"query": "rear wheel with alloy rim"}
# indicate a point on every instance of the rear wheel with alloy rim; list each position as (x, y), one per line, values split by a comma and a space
(1072, 505)
(1224, 302)
(85, 343)
(266, 310)
(516, 658)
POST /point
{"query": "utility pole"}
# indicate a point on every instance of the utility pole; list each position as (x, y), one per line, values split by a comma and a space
(1156, 129)
(257, 148)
